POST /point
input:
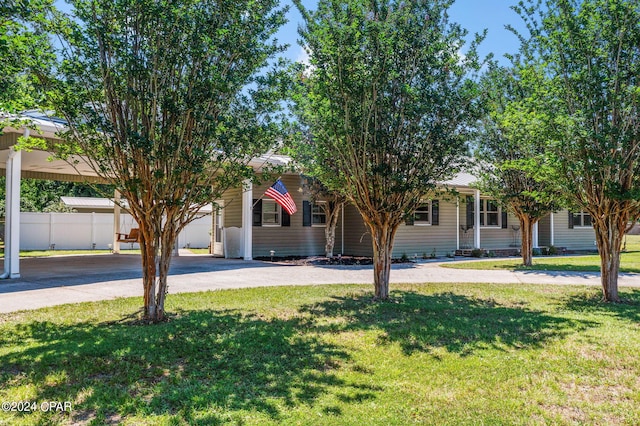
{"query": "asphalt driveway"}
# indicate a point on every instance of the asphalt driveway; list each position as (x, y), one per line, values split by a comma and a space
(53, 281)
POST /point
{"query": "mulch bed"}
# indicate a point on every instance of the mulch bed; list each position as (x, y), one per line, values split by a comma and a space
(321, 260)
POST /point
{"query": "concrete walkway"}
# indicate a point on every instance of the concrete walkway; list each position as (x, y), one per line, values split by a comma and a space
(70, 279)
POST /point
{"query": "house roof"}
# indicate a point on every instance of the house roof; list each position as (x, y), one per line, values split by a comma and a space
(89, 202)
(106, 203)
(462, 179)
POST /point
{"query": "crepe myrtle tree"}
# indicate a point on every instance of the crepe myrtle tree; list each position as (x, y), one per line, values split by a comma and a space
(167, 101)
(331, 202)
(591, 50)
(510, 157)
(390, 102)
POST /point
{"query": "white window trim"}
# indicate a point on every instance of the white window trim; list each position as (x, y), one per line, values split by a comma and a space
(318, 225)
(484, 212)
(422, 223)
(279, 212)
(582, 213)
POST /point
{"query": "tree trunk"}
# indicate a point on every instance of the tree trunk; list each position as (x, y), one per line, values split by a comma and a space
(382, 239)
(609, 234)
(330, 230)
(526, 246)
(149, 250)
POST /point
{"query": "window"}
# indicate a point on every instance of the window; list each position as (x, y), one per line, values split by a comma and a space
(422, 215)
(270, 213)
(318, 215)
(489, 213)
(581, 219)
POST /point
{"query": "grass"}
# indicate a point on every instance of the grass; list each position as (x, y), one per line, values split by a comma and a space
(48, 253)
(629, 261)
(324, 355)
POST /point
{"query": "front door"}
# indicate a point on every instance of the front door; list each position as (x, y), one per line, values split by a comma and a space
(218, 226)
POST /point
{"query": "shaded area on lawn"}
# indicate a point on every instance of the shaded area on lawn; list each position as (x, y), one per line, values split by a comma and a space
(627, 309)
(215, 366)
(196, 362)
(457, 323)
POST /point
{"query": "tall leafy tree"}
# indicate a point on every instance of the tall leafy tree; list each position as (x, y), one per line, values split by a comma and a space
(591, 49)
(510, 153)
(20, 46)
(331, 201)
(389, 104)
(168, 101)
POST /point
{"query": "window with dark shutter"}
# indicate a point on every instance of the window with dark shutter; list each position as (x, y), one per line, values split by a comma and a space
(435, 212)
(286, 218)
(504, 220)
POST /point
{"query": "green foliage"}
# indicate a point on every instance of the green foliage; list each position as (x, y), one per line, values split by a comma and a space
(168, 101)
(512, 165)
(20, 47)
(591, 53)
(38, 195)
(385, 106)
(387, 97)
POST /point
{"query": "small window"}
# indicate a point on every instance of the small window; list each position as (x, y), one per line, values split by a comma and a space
(422, 215)
(581, 219)
(489, 213)
(318, 214)
(271, 214)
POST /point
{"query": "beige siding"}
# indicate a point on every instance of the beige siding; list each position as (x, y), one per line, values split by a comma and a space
(576, 238)
(233, 208)
(294, 240)
(423, 240)
(357, 239)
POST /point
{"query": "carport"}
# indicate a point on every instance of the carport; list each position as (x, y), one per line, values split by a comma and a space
(38, 164)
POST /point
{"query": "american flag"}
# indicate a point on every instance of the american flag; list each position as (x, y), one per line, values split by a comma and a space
(278, 192)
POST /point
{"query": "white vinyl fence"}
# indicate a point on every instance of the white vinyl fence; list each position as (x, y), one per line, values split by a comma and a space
(77, 231)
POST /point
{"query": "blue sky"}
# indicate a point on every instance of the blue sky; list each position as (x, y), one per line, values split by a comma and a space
(474, 15)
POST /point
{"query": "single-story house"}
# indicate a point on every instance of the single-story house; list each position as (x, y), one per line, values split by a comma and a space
(246, 224)
(439, 227)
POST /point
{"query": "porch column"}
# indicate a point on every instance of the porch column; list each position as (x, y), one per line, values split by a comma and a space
(116, 221)
(476, 221)
(457, 223)
(551, 230)
(12, 214)
(247, 219)
(534, 237)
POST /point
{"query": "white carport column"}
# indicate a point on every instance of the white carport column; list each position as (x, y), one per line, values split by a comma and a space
(116, 221)
(534, 237)
(457, 223)
(12, 214)
(247, 219)
(552, 230)
(476, 220)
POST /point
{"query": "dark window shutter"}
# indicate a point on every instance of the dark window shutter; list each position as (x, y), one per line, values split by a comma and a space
(504, 219)
(306, 213)
(435, 212)
(286, 218)
(257, 212)
(470, 212)
(570, 220)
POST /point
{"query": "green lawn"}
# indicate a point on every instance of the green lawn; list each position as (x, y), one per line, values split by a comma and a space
(629, 261)
(47, 253)
(325, 355)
